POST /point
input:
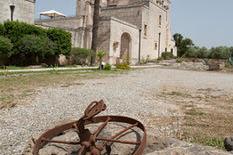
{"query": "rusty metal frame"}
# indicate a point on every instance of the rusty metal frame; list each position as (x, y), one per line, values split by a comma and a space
(87, 139)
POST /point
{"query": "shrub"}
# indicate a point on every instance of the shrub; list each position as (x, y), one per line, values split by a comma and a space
(192, 53)
(5, 46)
(62, 39)
(2, 29)
(167, 55)
(5, 49)
(220, 53)
(145, 60)
(15, 30)
(33, 49)
(123, 66)
(100, 55)
(81, 56)
(108, 67)
(196, 52)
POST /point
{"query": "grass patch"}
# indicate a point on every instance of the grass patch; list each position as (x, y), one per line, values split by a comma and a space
(207, 120)
(14, 88)
(194, 112)
(209, 141)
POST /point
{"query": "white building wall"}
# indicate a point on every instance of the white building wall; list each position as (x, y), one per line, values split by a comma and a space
(24, 10)
(119, 27)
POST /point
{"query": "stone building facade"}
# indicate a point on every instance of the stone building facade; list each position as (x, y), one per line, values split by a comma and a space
(129, 29)
(24, 10)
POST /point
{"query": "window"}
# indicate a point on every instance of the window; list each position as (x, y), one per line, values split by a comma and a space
(156, 46)
(160, 20)
(145, 30)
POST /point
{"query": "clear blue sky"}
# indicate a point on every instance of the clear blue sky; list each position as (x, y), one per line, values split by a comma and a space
(207, 22)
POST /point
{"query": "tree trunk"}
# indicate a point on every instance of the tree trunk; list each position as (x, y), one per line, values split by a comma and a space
(95, 30)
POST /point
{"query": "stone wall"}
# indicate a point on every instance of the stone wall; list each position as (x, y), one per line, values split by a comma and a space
(131, 14)
(154, 44)
(72, 25)
(67, 22)
(24, 10)
(111, 31)
(155, 37)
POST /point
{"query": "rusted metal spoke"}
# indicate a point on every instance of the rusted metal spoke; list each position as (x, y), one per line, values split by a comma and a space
(97, 132)
(118, 141)
(123, 131)
(88, 142)
(82, 150)
(60, 142)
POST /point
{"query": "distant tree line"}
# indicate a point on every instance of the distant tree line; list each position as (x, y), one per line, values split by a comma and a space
(186, 48)
(24, 44)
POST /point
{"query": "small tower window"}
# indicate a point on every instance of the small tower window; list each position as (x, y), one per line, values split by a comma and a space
(160, 20)
(145, 30)
(156, 46)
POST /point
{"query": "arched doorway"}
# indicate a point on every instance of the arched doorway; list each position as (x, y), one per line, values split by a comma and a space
(125, 47)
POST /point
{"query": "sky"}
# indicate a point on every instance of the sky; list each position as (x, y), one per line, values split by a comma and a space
(208, 23)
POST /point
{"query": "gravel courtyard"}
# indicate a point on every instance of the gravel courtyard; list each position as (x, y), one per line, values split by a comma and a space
(134, 94)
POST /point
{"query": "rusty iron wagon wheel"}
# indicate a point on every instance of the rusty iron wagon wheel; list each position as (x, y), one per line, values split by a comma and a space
(90, 142)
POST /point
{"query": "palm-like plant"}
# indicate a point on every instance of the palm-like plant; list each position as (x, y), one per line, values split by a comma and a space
(100, 55)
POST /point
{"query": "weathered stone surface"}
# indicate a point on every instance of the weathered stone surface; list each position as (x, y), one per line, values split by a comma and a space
(24, 10)
(170, 146)
(155, 146)
(228, 143)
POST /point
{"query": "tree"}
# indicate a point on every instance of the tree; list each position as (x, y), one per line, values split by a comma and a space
(95, 30)
(33, 48)
(178, 39)
(182, 44)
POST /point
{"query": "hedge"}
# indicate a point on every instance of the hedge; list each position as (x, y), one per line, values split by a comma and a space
(81, 56)
(62, 40)
(32, 49)
(15, 30)
(31, 40)
(2, 29)
(5, 49)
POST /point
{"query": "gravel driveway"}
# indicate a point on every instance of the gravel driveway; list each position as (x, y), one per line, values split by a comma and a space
(125, 94)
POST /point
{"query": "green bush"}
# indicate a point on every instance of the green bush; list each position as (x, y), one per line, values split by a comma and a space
(213, 53)
(30, 40)
(62, 39)
(167, 55)
(108, 67)
(123, 66)
(220, 53)
(192, 53)
(33, 49)
(15, 30)
(5, 49)
(5, 46)
(2, 29)
(81, 56)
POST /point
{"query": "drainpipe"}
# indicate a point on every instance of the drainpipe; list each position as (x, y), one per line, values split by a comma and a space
(159, 45)
(139, 46)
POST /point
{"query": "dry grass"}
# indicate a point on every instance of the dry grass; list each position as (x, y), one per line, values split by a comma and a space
(207, 114)
(19, 88)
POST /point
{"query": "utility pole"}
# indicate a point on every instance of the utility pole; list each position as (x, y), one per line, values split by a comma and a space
(95, 28)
